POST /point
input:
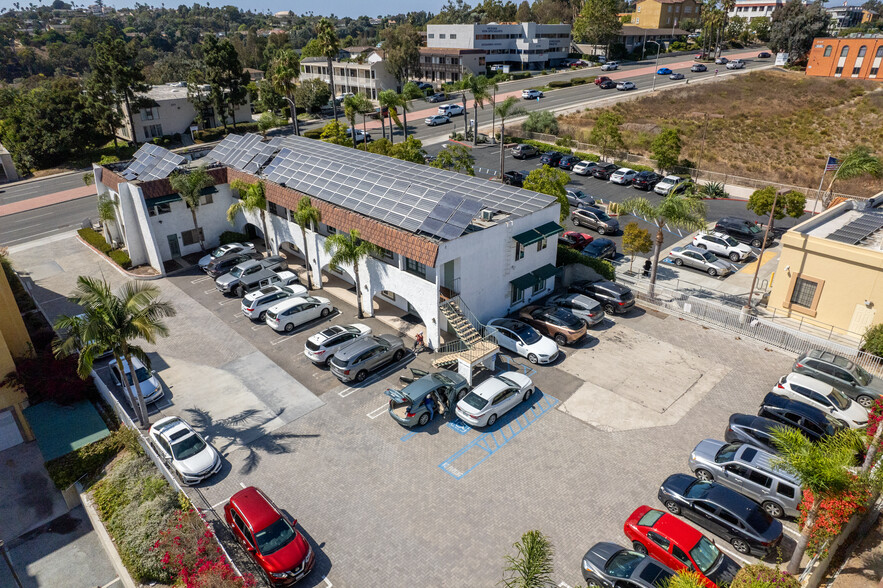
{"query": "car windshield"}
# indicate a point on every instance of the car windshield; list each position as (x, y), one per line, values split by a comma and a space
(863, 376)
(709, 256)
(274, 537)
(237, 271)
(475, 401)
(188, 447)
(602, 217)
(759, 520)
(526, 333)
(753, 229)
(142, 373)
(730, 241)
(727, 453)
(697, 489)
(705, 554)
(839, 399)
(219, 252)
(444, 379)
(578, 194)
(623, 563)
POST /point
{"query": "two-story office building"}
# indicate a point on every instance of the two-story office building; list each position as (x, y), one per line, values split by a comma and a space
(849, 57)
(442, 234)
(526, 45)
(368, 76)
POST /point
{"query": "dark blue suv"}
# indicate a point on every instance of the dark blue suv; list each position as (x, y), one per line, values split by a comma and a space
(551, 158)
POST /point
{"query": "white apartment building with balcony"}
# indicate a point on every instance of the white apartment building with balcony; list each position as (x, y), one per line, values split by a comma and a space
(526, 45)
(750, 9)
(369, 77)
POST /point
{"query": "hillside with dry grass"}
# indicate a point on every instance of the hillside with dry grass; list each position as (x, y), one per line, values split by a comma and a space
(774, 125)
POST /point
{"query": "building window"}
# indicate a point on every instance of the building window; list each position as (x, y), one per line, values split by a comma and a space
(862, 50)
(541, 244)
(441, 35)
(415, 267)
(879, 51)
(191, 237)
(804, 293)
(519, 251)
(453, 36)
(637, 19)
(828, 50)
(159, 209)
(383, 254)
(855, 70)
(279, 211)
(845, 51)
(517, 294)
(148, 114)
(207, 199)
(838, 71)
(151, 131)
(688, 9)
(430, 36)
(874, 71)
(639, 8)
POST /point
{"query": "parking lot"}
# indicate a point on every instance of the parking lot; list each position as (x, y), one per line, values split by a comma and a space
(438, 505)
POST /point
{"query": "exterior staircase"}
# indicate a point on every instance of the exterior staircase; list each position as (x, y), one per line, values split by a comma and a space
(471, 346)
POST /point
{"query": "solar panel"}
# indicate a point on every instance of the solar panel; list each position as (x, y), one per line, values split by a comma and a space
(450, 232)
(857, 230)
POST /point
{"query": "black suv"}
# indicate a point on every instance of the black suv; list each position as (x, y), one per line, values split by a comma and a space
(551, 158)
(615, 298)
(811, 421)
(568, 161)
(513, 178)
(743, 231)
(754, 430)
(603, 171)
(645, 180)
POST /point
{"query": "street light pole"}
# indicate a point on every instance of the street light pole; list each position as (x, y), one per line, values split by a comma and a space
(293, 115)
(656, 67)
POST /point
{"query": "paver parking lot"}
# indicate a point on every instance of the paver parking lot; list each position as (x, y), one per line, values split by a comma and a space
(377, 501)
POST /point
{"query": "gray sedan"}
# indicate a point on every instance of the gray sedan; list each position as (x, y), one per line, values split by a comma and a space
(609, 565)
(702, 260)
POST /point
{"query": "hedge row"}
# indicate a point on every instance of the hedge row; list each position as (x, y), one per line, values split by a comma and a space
(233, 237)
(560, 84)
(634, 166)
(97, 240)
(216, 133)
(520, 76)
(88, 460)
(568, 256)
(313, 134)
(581, 81)
(121, 258)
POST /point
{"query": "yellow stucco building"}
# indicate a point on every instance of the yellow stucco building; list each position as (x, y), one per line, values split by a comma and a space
(14, 342)
(664, 14)
(831, 268)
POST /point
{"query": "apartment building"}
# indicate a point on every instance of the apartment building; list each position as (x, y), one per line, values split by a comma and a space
(664, 14)
(14, 343)
(368, 76)
(443, 65)
(526, 45)
(848, 57)
(751, 9)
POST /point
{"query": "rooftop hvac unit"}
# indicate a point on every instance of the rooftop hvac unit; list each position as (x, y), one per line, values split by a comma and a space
(487, 214)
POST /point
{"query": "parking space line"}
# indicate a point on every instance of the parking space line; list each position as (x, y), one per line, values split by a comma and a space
(200, 280)
(735, 555)
(346, 392)
(791, 532)
(377, 412)
(210, 291)
(563, 585)
(283, 339)
(328, 583)
(242, 484)
(258, 326)
(379, 375)
(214, 506)
(226, 302)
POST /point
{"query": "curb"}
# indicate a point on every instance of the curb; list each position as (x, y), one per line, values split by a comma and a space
(41, 178)
(106, 542)
(115, 266)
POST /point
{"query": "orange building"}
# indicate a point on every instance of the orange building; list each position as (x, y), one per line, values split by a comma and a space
(858, 58)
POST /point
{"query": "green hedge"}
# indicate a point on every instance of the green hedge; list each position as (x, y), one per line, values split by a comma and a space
(587, 156)
(313, 134)
(216, 133)
(88, 460)
(543, 147)
(567, 256)
(233, 237)
(95, 239)
(634, 166)
(121, 258)
(560, 84)
(581, 81)
(763, 576)
(520, 76)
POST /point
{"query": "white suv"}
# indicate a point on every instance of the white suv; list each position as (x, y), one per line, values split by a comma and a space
(668, 185)
(450, 109)
(823, 396)
(722, 245)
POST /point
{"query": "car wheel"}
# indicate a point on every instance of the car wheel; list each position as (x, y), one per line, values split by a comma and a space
(360, 377)
(527, 394)
(325, 312)
(639, 547)
(424, 418)
(701, 246)
(741, 546)
(398, 355)
(262, 316)
(491, 420)
(602, 231)
(560, 339)
(756, 243)
(734, 256)
(672, 507)
(773, 509)
(592, 583)
(576, 222)
(865, 401)
(289, 327)
(679, 262)
(712, 272)
(704, 475)
(532, 358)
(327, 360)
(608, 308)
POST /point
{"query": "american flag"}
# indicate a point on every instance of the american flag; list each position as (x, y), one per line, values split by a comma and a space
(832, 164)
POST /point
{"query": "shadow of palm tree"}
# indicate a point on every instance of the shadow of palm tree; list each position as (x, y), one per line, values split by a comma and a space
(247, 430)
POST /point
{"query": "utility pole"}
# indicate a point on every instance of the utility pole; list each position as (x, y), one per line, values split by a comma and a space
(704, 130)
(766, 234)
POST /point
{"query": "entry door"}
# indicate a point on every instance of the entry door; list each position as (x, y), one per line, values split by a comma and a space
(174, 247)
(448, 269)
(10, 436)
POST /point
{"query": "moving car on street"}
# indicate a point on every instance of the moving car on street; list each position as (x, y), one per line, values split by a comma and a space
(663, 71)
(184, 450)
(764, 55)
(626, 85)
(702, 260)
(676, 76)
(607, 85)
(493, 398)
(437, 97)
(736, 64)
(610, 66)
(437, 119)
(601, 79)
(451, 110)
(698, 67)
(721, 61)
(531, 94)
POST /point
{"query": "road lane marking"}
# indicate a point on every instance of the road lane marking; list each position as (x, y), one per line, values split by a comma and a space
(378, 411)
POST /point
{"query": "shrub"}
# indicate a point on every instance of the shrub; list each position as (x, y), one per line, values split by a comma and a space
(85, 461)
(713, 190)
(561, 84)
(581, 81)
(544, 147)
(95, 239)
(634, 166)
(762, 576)
(834, 513)
(567, 256)
(121, 258)
(678, 46)
(587, 156)
(875, 415)
(105, 159)
(313, 134)
(541, 121)
(521, 75)
(872, 340)
(233, 237)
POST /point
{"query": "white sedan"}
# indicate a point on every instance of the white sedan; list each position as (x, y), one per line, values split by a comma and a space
(151, 389)
(493, 398)
(184, 450)
(723, 245)
(623, 176)
(437, 119)
(522, 339)
(822, 396)
(322, 346)
(293, 312)
(625, 86)
(224, 250)
(584, 168)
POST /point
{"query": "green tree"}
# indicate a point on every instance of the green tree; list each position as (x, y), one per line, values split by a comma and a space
(666, 148)
(598, 22)
(388, 100)
(531, 567)
(794, 26)
(312, 95)
(455, 158)
(760, 28)
(335, 132)
(821, 468)
(858, 163)
(541, 121)
(524, 13)
(401, 52)
(107, 213)
(551, 181)
(269, 120)
(635, 240)
(410, 91)
(268, 98)
(190, 186)
(306, 215)
(506, 109)
(349, 249)
(112, 322)
(606, 135)
(479, 87)
(227, 80)
(353, 106)
(252, 198)
(284, 70)
(411, 149)
(380, 146)
(312, 49)
(329, 45)
(675, 211)
(101, 100)
(791, 203)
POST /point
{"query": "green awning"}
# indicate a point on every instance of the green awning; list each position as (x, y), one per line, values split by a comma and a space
(174, 197)
(545, 272)
(549, 229)
(528, 237)
(524, 282)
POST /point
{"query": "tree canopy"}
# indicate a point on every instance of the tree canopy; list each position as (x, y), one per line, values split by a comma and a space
(551, 181)
(794, 26)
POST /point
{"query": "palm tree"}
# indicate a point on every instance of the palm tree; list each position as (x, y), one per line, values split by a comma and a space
(532, 567)
(479, 86)
(411, 91)
(284, 69)
(857, 163)
(506, 109)
(353, 105)
(190, 186)
(329, 44)
(675, 211)
(306, 214)
(251, 199)
(107, 213)
(111, 322)
(349, 249)
(821, 468)
(388, 100)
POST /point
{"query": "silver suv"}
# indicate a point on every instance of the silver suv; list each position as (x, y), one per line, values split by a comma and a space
(353, 362)
(841, 373)
(747, 470)
(230, 282)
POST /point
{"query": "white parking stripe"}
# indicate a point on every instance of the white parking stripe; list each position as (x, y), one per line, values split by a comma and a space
(214, 506)
(282, 339)
(734, 555)
(563, 585)
(200, 280)
(258, 326)
(346, 392)
(328, 583)
(210, 291)
(378, 411)
(791, 531)
(231, 301)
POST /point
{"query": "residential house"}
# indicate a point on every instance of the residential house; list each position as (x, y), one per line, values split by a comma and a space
(14, 343)
(851, 57)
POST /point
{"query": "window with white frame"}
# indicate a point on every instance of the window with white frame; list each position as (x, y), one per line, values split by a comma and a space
(192, 237)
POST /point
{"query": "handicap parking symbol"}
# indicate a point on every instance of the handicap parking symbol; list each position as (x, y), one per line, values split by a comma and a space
(459, 426)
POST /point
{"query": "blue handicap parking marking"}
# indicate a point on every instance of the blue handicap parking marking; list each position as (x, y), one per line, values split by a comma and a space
(408, 435)
(459, 426)
(486, 444)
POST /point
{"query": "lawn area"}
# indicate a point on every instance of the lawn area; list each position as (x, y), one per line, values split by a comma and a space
(768, 124)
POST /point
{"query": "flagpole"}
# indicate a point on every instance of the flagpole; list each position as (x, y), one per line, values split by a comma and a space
(821, 183)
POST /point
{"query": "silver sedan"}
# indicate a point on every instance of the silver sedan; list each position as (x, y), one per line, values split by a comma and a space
(702, 260)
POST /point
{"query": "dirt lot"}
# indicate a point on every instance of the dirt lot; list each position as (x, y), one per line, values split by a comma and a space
(773, 123)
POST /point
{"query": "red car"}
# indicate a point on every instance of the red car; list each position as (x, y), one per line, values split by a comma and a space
(601, 79)
(668, 539)
(269, 537)
(575, 240)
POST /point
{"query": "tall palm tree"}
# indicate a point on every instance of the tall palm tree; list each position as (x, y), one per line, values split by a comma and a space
(107, 213)
(355, 105)
(284, 70)
(251, 199)
(306, 215)
(479, 86)
(111, 322)
(675, 211)
(857, 163)
(190, 186)
(388, 100)
(329, 44)
(821, 468)
(506, 109)
(410, 91)
(349, 249)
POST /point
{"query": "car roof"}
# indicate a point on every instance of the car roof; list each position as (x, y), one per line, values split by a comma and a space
(683, 534)
(255, 508)
(355, 348)
(672, 179)
(506, 323)
(809, 382)
(730, 499)
(801, 408)
(418, 388)
(135, 361)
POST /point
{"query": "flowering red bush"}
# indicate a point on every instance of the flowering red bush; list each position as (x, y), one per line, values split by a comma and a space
(875, 416)
(193, 557)
(833, 514)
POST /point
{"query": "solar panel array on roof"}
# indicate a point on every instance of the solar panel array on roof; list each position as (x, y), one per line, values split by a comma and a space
(244, 152)
(859, 229)
(152, 162)
(401, 193)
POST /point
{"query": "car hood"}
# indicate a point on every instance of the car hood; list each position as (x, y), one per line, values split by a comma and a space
(544, 346)
(290, 556)
(519, 378)
(743, 248)
(199, 462)
(205, 260)
(875, 384)
(678, 483)
(226, 279)
(723, 573)
(600, 553)
(854, 412)
(707, 449)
